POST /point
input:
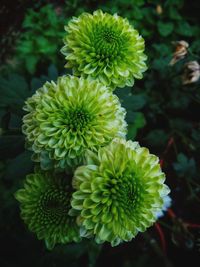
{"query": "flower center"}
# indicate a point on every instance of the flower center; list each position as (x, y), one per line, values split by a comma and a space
(109, 36)
(107, 43)
(125, 193)
(78, 120)
(53, 206)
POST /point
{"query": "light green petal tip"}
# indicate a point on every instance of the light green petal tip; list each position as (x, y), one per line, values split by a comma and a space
(104, 47)
(120, 194)
(45, 204)
(66, 118)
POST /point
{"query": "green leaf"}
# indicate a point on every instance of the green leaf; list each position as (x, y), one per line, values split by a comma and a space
(185, 167)
(160, 64)
(52, 72)
(177, 3)
(131, 101)
(11, 146)
(157, 138)
(13, 92)
(24, 46)
(180, 125)
(137, 14)
(184, 29)
(19, 167)
(165, 28)
(42, 43)
(36, 84)
(15, 122)
(138, 122)
(174, 14)
(134, 102)
(93, 253)
(52, 75)
(31, 62)
(162, 49)
(179, 100)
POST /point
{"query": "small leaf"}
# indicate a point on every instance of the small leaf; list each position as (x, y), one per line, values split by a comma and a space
(185, 167)
(157, 138)
(13, 92)
(184, 29)
(131, 101)
(165, 28)
(174, 14)
(52, 72)
(137, 123)
(19, 167)
(31, 62)
(11, 146)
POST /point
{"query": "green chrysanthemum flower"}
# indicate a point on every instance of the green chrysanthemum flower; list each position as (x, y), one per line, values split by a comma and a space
(118, 193)
(66, 118)
(45, 203)
(104, 47)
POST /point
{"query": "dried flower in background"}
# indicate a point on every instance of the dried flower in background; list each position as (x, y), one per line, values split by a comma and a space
(159, 9)
(180, 52)
(191, 72)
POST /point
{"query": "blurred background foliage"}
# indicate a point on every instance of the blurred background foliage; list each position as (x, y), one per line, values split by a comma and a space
(162, 113)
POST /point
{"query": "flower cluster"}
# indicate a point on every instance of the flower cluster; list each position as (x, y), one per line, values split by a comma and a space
(100, 185)
(105, 48)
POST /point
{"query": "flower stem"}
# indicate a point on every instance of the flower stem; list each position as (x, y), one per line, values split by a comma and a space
(192, 225)
(162, 237)
(171, 213)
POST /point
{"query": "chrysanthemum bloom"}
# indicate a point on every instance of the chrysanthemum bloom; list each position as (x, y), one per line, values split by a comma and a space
(118, 193)
(104, 47)
(45, 203)
(66, 118)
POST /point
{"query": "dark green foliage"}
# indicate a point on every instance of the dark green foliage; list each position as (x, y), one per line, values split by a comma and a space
(185, 167)
(157, 138)
(42, 37)
(165, 29)
(132, 103)
(13, 92)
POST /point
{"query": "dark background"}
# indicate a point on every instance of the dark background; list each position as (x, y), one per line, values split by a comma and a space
(162, 113)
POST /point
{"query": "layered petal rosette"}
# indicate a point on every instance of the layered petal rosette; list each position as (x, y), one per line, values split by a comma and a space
(118, 192)
(45, 203)
(68, 117)
(104, 47)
